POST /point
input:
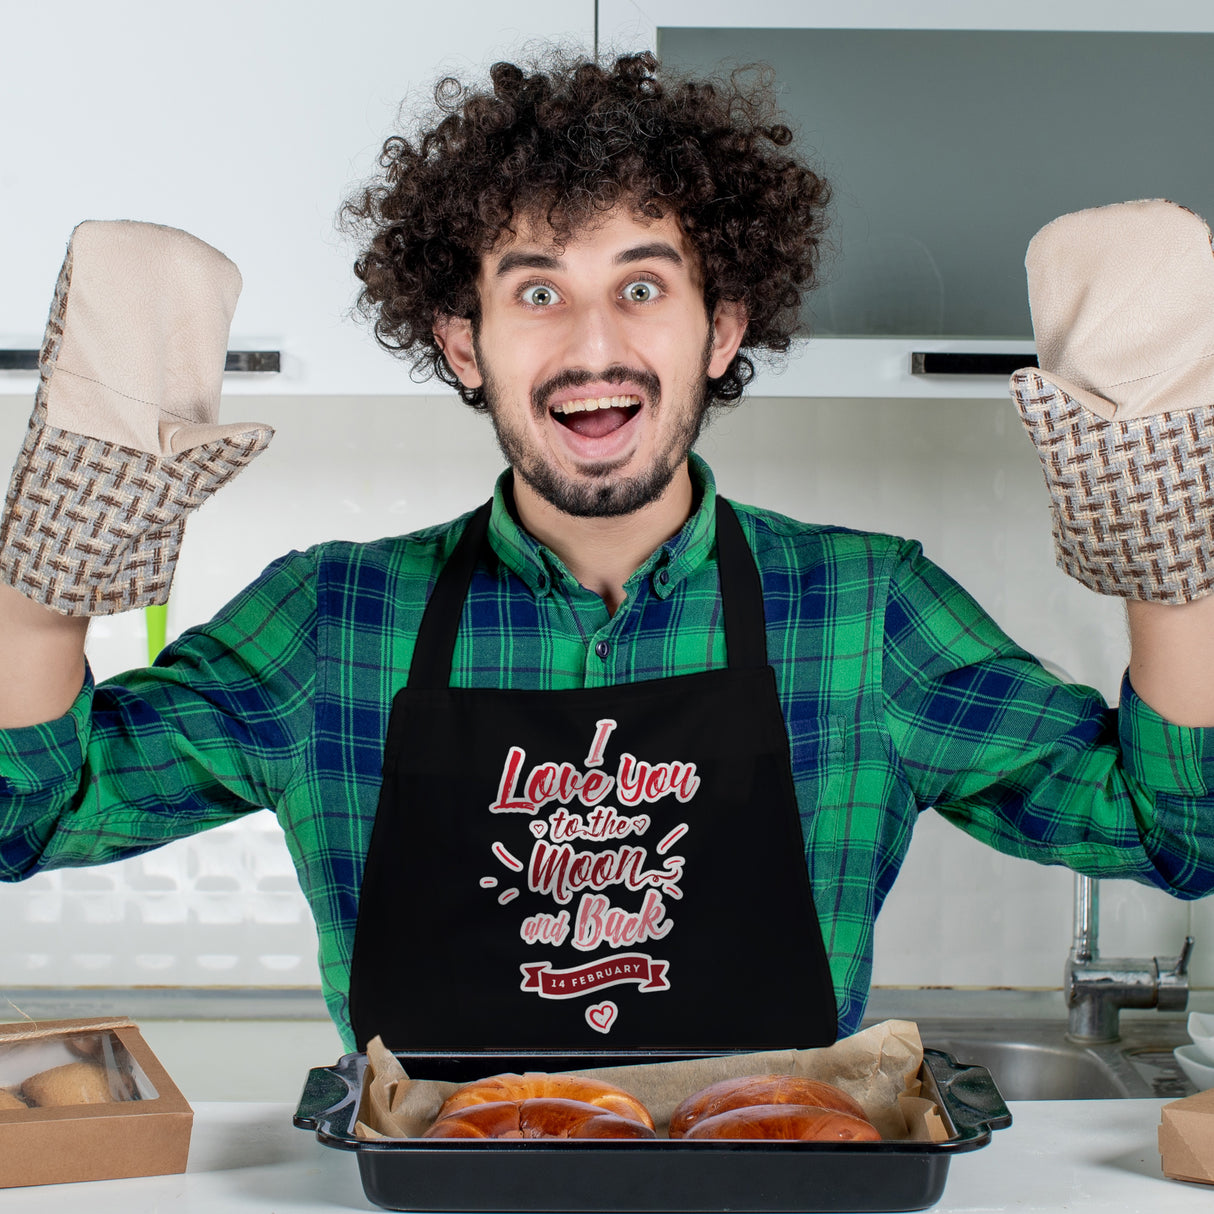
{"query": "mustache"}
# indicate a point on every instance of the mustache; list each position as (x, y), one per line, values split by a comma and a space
(575, 377)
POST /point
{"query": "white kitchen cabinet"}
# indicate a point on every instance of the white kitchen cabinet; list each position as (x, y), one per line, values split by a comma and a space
(246, 122)
(1040, 134)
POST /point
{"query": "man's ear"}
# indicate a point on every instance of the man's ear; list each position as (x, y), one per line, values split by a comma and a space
(729, 321)
(454, 337)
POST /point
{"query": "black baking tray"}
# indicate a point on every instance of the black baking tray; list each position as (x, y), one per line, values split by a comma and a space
(653, 1175)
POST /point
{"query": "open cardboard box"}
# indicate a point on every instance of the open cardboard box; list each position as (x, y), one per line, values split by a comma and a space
(135, 1121)
(1186, 1138)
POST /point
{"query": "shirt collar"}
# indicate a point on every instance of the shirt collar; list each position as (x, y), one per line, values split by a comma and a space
(539, 567)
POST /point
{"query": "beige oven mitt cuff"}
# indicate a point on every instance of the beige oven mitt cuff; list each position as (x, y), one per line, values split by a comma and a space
(1121, 407)
(124, 439)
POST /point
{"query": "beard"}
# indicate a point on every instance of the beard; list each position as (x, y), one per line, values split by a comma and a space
(598, 491)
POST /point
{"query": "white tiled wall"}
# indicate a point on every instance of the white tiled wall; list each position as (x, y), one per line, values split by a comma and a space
(959, 475)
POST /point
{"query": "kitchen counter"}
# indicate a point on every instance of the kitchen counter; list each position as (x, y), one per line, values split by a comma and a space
(247, 1158)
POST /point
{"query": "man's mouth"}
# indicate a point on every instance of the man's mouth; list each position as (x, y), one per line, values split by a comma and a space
(594, 417)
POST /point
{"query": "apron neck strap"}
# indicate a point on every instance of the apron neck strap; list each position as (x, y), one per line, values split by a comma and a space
(434, 648)
(741, 594)
(741, 600)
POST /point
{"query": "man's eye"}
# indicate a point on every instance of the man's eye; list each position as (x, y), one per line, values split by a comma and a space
(641, 291)
(540, 296)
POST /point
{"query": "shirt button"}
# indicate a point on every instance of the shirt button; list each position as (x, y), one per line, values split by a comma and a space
(663, 577)
(602, 649)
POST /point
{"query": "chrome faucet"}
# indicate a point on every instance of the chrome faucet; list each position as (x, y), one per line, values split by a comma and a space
(1096, 988)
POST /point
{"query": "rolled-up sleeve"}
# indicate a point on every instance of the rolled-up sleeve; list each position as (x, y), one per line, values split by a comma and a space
(1177, 763)
(40, 768)
(1173, 759)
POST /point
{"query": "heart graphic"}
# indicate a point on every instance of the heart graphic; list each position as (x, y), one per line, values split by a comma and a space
(538, 829)
(602, 1017)
(640, 823)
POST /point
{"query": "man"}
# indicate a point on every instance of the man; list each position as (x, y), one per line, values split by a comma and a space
(652, 761)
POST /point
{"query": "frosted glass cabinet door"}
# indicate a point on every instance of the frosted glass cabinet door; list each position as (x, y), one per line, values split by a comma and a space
(949, 139)
(247, 122)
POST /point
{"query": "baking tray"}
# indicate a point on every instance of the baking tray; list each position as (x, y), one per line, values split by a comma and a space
(653, 1175)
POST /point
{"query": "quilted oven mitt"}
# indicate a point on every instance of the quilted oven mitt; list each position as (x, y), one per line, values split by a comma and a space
(1122, 408)
(123, 441)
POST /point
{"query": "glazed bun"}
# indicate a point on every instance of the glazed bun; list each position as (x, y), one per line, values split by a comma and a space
(798, 1122)
(759, 1089)
(539, 1086)
(542, 1117)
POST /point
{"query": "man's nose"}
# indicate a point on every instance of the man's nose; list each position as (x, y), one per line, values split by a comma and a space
(597, 336)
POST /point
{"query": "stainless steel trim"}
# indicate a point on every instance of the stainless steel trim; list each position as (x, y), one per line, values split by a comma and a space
(243, 361)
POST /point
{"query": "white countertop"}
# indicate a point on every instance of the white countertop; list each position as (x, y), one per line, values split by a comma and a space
(247, 1158)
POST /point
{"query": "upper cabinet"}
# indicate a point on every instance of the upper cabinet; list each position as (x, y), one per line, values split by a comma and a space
(949, 139)
(246, 122)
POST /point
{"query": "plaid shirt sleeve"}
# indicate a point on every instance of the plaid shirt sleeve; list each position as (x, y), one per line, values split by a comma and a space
(1036, 768)
(168, 751)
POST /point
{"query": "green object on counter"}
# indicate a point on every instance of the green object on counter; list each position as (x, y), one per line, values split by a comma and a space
(157, 617)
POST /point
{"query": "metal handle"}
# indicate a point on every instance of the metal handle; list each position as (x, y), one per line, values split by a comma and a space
(946, 362)
(257, 361)
(324, 1092)
(969, 1096)
(1173, 989)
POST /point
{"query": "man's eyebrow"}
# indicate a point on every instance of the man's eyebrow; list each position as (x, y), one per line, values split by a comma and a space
(643, 252)
(526, 261)
(523, 260)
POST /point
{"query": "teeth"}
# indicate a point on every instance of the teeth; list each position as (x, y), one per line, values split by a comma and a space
(598, 402)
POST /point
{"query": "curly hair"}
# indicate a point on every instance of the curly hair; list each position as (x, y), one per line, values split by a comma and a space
(572, 140)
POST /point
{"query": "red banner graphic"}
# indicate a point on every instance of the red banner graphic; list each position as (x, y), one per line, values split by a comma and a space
(648, 974)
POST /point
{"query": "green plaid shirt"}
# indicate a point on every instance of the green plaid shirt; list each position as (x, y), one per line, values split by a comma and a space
(898, 691)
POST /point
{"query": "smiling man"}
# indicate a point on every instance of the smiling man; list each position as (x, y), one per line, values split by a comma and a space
(594, 360)
(610, 761)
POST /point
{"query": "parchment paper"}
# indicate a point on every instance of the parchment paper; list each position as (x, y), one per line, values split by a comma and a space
(879, 1067)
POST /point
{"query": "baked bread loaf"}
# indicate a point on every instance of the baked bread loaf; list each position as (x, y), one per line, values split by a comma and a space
(71, 1083)
(540, 1086)
(542, 1117)
(87, 1045)
(798, 1122)
(10, 1100)
(763, 1090)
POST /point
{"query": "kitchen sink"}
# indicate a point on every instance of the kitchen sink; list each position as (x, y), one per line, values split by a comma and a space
(1033, 1059)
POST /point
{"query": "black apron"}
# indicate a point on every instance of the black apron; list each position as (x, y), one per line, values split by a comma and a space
(591, 869)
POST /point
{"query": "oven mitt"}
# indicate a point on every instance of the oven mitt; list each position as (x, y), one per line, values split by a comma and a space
(1121, 409)
(123, 441)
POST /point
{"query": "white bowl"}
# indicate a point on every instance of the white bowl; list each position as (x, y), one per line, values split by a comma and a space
(1201, 1029)
(1192, 1062)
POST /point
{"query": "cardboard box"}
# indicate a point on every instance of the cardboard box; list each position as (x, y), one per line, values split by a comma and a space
(1186, 1138)
(138, 1125)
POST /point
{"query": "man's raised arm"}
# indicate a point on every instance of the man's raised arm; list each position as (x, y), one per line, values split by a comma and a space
(1121, 410)
(123, 443)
